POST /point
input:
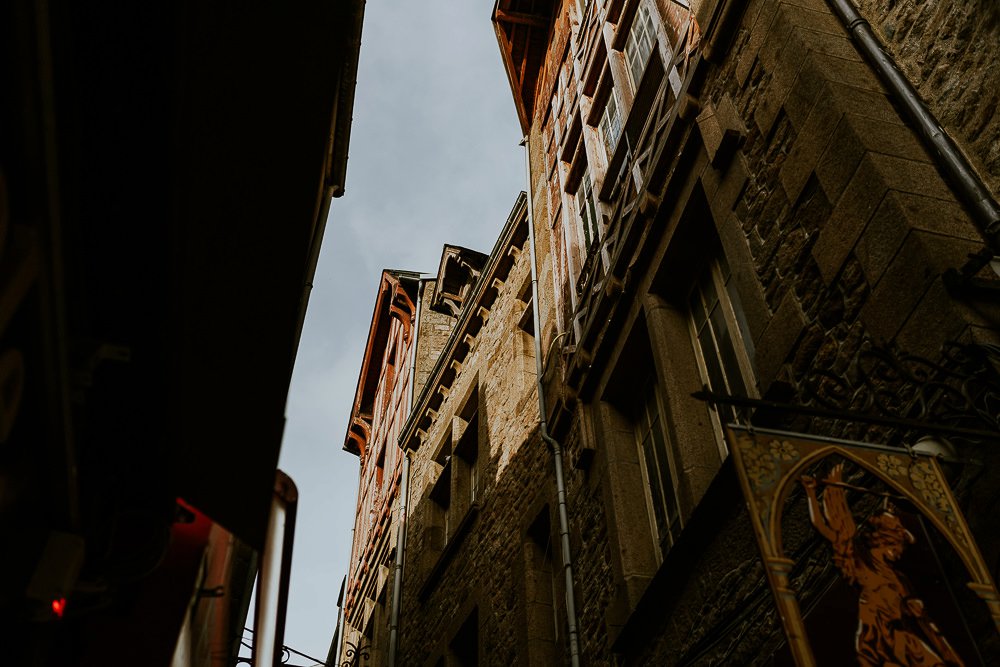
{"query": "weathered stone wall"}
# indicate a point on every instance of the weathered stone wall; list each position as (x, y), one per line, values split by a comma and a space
(434, 329)
(487, 570)
(840, 227)
(948, 51)
(848, 227)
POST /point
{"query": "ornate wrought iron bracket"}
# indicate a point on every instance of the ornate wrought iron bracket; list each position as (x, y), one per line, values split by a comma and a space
(848, 415)
(356, 653)
(883, 387)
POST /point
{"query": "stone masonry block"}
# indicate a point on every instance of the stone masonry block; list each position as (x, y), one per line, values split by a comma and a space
(814, 5)
(780, 42)
(861, 102)
(766, 112)
(710, 128)
(817, 17)
(840, 160)
(778, 339)
(839, 45)
(909, 176)
(882, 238)
(729, 115)
(849, 72)
(935, 320)
(772, 98)
(876, 173)
(797, 35)
(810, 144)
(899, 213)
(861, 198)
(890, 138)
(806, 92)
(784, 54)
(919, 262)
(809, 87)
(855, 135)
(721, 131)
(733, 181)
(759, 26)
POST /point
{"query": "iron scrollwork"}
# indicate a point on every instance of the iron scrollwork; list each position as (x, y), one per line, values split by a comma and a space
(960, 391)
(356, 653)
(883, 394)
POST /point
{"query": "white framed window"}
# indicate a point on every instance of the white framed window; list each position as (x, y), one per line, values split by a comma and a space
(611, 122)
(717, 327)
(586, 209)
(638, 46)
(657, 467)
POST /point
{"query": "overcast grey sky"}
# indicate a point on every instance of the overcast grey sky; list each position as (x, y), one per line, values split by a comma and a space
(433, 159)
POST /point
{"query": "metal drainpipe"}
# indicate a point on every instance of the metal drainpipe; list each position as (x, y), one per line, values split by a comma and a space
(347, 578)
(404, 497)
(397, 583)
(557, 452)
(985, 211)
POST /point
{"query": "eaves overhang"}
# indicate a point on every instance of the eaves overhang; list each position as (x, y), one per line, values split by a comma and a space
(396, 296)
(523, 29)
(470, 321)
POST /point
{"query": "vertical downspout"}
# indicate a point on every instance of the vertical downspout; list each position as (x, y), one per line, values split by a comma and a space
(404, 496)
(347, 578)
(397, 582)
(557, 452)
(333, 656)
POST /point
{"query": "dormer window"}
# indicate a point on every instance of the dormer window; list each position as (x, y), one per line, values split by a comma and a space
(458, 272)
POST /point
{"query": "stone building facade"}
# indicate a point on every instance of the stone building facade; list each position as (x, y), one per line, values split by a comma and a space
(732, 221)
(726, 197)
(478, 478)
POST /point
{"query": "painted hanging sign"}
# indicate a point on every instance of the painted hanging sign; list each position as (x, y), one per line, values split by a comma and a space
(868, 555)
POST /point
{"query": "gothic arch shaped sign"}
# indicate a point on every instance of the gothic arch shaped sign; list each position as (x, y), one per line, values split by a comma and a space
(771, 464)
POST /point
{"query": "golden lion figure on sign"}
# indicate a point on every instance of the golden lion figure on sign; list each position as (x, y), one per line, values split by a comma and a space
(893, 627)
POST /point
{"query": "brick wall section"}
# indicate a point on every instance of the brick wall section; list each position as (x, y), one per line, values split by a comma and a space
(948, 50)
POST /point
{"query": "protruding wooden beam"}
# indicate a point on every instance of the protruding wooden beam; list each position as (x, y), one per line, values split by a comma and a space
(521, 18)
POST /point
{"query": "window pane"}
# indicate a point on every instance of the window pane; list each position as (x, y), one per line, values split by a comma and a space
(655, 490)
(716, 378)
(611, 122)
(663, 469)
(587, 211)
(697, 310)
(719, 334)
(639, 44)
(708, 287)
(653, 451)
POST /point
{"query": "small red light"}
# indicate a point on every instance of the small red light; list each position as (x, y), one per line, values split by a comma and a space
(59, 607)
